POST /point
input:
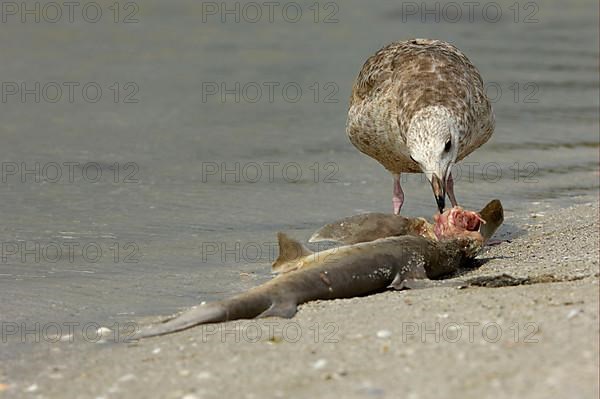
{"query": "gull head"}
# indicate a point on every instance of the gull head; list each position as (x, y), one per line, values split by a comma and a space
(432, 140)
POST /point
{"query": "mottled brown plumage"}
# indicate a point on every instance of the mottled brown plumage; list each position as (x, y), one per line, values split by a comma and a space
(412, 97)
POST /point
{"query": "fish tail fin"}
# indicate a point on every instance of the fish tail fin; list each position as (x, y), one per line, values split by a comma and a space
(201, 314)
(243, 306)
(493, 214)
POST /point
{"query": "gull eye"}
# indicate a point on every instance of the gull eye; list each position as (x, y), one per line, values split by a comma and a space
(447, 146)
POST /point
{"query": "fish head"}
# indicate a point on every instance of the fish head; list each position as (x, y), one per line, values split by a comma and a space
(467, 231)
(433, 140)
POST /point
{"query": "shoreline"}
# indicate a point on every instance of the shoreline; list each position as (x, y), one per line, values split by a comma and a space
(532, 340)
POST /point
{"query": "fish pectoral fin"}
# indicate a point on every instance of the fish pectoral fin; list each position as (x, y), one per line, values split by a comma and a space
(402, 280)
(289, 250)
(286, 310)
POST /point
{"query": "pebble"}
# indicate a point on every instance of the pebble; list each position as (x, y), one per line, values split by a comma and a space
(572, 313)
(31, 388)
(319, 364)
(155, 351)
(384, 334)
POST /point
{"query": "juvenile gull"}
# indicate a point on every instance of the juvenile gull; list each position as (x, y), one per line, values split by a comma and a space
(419, 106)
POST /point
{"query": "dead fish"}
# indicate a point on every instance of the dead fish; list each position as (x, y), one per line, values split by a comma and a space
(371, 226)
(343, 272)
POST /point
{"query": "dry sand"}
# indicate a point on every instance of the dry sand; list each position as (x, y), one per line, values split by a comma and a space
(534, 341)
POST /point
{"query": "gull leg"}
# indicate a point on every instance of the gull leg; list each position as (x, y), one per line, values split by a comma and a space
(398, 198)
(450, 190)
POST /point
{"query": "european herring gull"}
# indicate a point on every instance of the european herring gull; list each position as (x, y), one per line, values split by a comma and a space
(419, 106)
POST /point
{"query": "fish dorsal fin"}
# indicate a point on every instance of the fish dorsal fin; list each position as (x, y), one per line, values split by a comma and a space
(289, 250)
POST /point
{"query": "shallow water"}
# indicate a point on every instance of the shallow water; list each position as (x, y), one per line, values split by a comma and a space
(198, 176)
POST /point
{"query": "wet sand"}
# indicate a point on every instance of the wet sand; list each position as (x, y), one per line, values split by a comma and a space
(534, 341)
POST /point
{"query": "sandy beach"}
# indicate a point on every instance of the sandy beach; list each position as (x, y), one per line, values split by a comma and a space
(205, 131)
(537, 340)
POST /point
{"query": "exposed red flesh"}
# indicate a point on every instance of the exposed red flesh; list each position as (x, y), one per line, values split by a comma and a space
(457, 222)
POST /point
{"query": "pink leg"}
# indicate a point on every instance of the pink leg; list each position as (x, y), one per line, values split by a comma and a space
(450, 190)
(398, 198)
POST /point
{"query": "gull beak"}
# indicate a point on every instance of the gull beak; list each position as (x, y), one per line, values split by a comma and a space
(439, 191)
